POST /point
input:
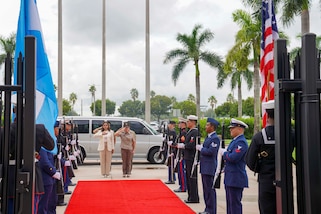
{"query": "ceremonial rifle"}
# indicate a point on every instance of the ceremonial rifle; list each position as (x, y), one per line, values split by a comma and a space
(59, 183)
(220, 162)
(178, 150)
(81, 157)
(196, 155)
(162, 148)
(72, 147)
(66, 153)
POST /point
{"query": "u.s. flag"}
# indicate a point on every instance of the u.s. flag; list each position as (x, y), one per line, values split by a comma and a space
(46, 102)
(269, 35)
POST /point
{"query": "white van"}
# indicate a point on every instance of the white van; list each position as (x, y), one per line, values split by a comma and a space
(148, 141)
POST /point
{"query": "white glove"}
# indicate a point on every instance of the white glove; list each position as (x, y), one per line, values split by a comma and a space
(199, 147)
(67, 163)
(67, 148)
(59, 156)
(222, 150)
(57, 176)
(181, 145)
(73, 142)
(169, 143)
(71, 157)
(76, 153)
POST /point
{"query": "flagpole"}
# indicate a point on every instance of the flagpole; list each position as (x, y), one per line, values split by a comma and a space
(60, 112)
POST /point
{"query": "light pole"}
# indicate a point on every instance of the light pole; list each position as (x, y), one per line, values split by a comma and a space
(147, 61)
(103, 94)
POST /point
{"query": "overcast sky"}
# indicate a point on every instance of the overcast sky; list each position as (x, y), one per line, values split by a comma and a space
(125, 44)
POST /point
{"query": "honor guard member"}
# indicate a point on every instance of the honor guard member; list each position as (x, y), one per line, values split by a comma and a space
(260, 159)
(235, 178)
(180, 156)
(49, 174)
(67, 167)
(208, 164)
(189, 153)
(170, 138)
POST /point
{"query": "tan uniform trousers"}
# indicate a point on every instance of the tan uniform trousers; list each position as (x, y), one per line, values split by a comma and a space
(105, 161)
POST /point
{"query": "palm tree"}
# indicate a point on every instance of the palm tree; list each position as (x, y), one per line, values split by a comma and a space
(248, 38)
(292, 9)
(92, 90)
(236, 67)
(230, 98)
(134, 94)
(7, 46)
(191, 98)
(72, 99)
(152, 94)
(212, 101)
(192, 52)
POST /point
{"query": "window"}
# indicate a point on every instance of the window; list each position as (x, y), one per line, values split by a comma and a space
(82, 126)
(115, 125)
(96, 124)
(137, 127)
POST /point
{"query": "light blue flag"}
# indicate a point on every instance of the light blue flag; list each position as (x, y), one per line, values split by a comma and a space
(46, 102)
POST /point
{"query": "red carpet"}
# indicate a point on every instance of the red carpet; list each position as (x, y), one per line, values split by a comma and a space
(125, 196)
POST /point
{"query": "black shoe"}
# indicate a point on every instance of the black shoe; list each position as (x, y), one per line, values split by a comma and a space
(68, 193)
(178, 190)
(62, 204)
(170, 182)
(72, 184)
(191, 202)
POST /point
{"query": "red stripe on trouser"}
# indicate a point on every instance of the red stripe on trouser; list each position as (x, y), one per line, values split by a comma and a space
(181, 170)
(65, 173)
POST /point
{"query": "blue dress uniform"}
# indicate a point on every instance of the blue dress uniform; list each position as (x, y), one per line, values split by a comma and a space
(46, 164)
(208, 164)
(235, 178)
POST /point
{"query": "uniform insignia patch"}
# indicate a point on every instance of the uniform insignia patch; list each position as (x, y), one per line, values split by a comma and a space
(238, 149)
(191, 140)
(214, 144)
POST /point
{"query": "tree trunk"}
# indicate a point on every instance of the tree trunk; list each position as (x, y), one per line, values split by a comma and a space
(197, 83)
(239, 99)
(305, 22)
(257, 100)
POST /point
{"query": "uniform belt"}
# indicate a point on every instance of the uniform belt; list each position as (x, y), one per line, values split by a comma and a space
(264, 154)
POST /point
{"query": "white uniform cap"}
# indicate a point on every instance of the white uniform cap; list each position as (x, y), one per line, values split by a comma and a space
(192, 117)
(268, 105)
(237, 123)
(182, 120)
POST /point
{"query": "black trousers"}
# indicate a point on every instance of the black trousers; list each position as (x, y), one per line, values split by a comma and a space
(191, 182)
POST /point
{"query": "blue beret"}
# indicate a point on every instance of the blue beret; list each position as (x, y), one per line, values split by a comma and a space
(213, 121)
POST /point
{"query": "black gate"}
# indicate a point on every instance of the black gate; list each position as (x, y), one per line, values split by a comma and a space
(17, 148)
(303, 89)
